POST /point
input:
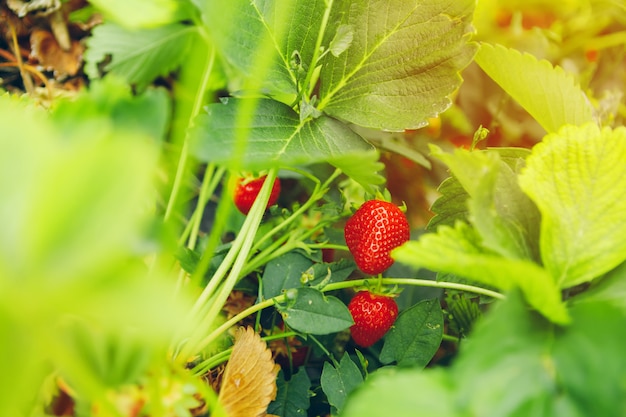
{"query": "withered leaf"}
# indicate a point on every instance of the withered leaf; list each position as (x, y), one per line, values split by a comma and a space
(249, 382)
(46, 50)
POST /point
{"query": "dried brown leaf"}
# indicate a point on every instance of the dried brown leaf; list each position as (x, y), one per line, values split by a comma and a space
(46, 50)
(249, 382)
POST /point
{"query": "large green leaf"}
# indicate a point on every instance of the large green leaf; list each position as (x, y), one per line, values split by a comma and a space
(277, 136)
(506, 219)
(292, 398)
(290, 28)
(403, 62)
(550, 368)
(283, 273)
(546, 92)
(457, 251)
(577, 178)
(139, 56)
(404, 392)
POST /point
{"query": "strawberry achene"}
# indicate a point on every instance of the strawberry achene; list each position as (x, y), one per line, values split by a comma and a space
(373, 316)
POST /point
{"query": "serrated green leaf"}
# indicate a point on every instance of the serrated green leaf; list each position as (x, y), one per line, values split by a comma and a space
(338, 383)
(139, 56)
(402, 65)
(144, 13)
(463, 313)
(276, 136)
(290, 28)
(451, 206)
(506, 219)
(283, 273)
(456, 250)
(546, 92)
(577, 177)
(334, 272)
(415, 336)
(404, 392)
(292, 398)
(313, 312)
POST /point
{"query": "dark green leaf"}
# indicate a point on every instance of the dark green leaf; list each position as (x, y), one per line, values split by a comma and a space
(312, 312)
(339, 382)
(333, 272)
(415, 336)
(283, 273)
(292, 398)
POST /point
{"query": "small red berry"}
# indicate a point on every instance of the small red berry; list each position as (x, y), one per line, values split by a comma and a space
(373, 316)
(372, 232)
(247, 190)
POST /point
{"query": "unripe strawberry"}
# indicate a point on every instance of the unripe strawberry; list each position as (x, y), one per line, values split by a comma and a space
(247, 190)
(372, 232)
(373, 316)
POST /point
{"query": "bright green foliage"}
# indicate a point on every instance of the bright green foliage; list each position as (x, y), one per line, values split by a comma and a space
(515, 364)
(577, 177)
(415, 336)
(450, 206)
(546, 92)
(310, 311)
(144, 13)
(139, 56)
(292, 398)
(339, 381)
(457, 250)
(503, 215)
(74, 212)
(402, 64)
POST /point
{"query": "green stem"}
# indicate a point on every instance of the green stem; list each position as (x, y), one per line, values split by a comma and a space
(343, 285)
(217, 292)
(184, 152)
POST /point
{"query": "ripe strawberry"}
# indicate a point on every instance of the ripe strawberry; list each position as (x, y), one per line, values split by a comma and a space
(372, 232)
(373, 316)
(247, 190)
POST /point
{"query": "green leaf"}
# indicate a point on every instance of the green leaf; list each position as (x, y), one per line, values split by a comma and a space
(338, 383)
(111, 104)
(283, 273)
(342, 40)
(292, 398)
(549, 367)
(548, 93)
(403, 392)
(312, 312)
(334, 272)
(139, 56)
(457, 251)
(503, 215)
(577, 177)
(451, 206)
(276, 136)
(415, 336)
(402, 65)
(284, 32)
(610, 289)
(144, 13)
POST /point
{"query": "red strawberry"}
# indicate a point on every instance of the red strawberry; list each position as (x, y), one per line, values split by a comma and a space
(247, 190)
(373, 316)
(372, 232)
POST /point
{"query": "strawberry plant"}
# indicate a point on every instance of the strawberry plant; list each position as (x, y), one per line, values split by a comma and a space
(437, 226)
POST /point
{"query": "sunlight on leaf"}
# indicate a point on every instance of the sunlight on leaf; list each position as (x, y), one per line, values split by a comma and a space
(402, 65)
(548, 93)
(143, 13)
(577, 179)
(457, 251)
(249, 382)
